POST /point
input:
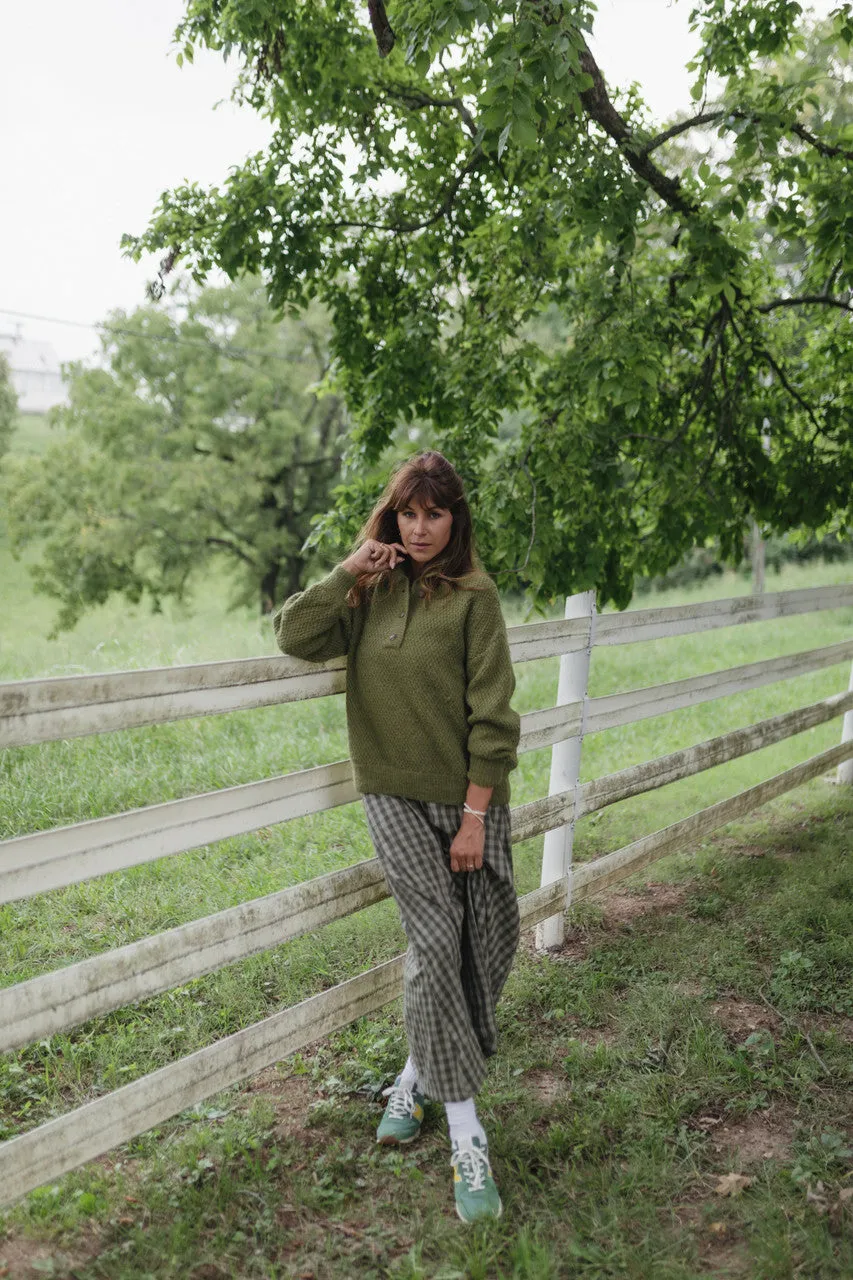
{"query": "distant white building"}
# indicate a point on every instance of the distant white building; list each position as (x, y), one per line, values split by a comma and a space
(36, 375)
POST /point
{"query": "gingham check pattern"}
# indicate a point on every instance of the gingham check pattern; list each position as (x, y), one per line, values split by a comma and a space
(462, 929)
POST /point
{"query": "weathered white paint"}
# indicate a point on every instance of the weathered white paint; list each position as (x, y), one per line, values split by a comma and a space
(56, 1001)
(652, 774)
(532, 640)
(551, 724)
(635, 625)
(71, 706)
(69, 1141)
(639, 704)
(845, 770)
(532, 819)
(566, 761)
(591, 877)
(65, 855)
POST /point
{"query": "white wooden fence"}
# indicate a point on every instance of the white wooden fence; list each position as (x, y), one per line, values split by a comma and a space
(40, 710)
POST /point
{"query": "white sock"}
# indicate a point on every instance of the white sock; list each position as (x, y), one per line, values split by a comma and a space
(409, 1075)
(463, 1122)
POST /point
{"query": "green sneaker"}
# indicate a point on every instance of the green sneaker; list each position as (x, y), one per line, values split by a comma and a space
(476, 1194)
(403, 1115)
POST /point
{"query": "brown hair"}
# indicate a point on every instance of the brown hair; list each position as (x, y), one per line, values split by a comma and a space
(433, 481)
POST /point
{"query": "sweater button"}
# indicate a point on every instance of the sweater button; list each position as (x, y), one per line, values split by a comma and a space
(393, 635)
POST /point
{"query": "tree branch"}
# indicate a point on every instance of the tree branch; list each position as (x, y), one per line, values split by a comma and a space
(792, 391)
(596, 102)
(825, 148)
(417, 99)
(229, 546)
(706, 117)
(382, 30)
(406, 227)
(821, 299)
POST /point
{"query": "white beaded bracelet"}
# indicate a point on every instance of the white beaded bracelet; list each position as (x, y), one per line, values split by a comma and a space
(478, 813)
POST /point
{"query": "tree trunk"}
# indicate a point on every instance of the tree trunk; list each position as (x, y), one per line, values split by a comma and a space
(281, 580)
(269, 588)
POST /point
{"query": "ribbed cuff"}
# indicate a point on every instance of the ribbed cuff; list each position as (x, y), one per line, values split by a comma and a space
(486, 773)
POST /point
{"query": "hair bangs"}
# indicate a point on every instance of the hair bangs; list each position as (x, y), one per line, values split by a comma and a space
(425, 489)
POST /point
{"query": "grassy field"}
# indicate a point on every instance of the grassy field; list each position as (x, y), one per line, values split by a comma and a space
(636, 1067)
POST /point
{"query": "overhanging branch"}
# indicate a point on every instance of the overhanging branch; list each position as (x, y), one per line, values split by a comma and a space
(382, 30)
(807, 299)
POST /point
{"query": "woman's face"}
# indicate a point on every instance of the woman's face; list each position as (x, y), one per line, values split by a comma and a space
(424, 531)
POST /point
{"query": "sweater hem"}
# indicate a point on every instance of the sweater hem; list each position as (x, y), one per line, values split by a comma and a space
(426, 787)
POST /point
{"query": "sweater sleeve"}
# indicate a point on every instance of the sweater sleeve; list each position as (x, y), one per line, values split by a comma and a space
(494, 727)
(316, 624)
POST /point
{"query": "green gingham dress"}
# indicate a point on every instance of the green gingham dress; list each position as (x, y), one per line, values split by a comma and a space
(462, 929)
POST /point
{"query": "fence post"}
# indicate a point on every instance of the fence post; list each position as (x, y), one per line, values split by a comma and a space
(845, 769)
(565, 764)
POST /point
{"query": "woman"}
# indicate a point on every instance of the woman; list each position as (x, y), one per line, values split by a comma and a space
(432, 739)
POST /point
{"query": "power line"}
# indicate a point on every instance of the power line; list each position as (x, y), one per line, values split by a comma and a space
(225, 349)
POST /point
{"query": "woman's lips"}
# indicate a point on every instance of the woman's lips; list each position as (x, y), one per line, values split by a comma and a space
(421, 546)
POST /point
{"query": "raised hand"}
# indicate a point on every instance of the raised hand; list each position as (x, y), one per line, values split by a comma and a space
(372, 556)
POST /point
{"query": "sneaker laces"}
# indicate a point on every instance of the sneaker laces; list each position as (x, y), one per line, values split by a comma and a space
(401, 1104)
(473, 1164)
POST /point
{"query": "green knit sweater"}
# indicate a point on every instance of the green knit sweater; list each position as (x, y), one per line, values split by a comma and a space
(428, 683)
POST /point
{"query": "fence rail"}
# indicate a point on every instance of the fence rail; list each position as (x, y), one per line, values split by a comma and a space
(40, 710)
(73, 706)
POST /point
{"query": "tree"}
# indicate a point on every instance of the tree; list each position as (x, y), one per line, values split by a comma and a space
(444, 171)
(8, 406)
(206, 435)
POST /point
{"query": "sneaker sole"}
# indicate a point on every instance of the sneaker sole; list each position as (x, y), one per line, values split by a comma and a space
(484, 1218)
(391, 1141)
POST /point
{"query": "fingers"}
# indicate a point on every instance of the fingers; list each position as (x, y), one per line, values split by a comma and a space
(384, 555)
(466, 864)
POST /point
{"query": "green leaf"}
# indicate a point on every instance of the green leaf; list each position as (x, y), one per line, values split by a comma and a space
(525, 131)
(502, 140)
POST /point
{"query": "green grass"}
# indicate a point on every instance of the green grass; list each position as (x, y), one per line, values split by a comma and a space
(572, 1208)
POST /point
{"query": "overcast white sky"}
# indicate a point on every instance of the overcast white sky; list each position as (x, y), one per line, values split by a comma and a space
(97, 120)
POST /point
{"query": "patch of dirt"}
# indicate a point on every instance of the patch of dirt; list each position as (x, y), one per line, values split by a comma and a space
(23, 1259)
(739, 1018)
(620, 909)
(547, 1086)
(595, 1035)
(724, 1260)
(764, 1135)
(291, 1096)
(623, 906)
